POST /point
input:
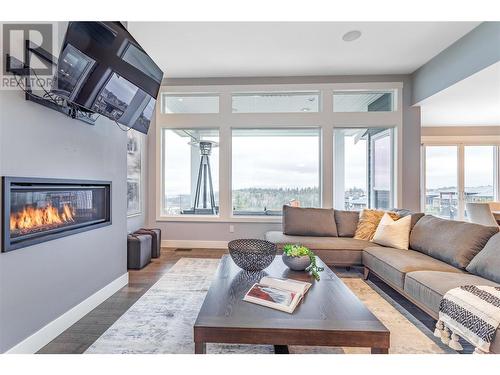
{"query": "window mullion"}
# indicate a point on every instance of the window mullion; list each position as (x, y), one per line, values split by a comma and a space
(225, 160)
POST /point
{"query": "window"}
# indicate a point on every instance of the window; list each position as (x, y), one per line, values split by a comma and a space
(441, 181)
(364, 101)
(273, 167)
(190, 172)
(363, 168)
(190, 103)
(446, 194)
(276, 102)
(479, 173)
(275, 141)
(381, 168)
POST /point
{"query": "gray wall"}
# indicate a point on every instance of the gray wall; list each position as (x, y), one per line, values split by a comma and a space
(473, 52)
(41, 282)
(206, 231)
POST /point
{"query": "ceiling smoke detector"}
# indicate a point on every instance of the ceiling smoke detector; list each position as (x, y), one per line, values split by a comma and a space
(351, 36)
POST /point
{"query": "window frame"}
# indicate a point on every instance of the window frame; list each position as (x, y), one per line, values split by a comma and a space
(326, 120)
(249, 217)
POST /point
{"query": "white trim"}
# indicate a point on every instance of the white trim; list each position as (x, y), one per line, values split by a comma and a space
(188, 244)
(53, 329)
(219, 219)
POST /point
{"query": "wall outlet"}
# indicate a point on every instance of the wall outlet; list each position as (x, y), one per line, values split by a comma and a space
(231, 229)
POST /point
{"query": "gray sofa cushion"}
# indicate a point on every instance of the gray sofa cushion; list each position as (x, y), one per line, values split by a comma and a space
(415, 216)
(347, 222)
(487, 263)
(392, 264)
(298, 221)
(332, 250)
(453, 242)
(428, 287)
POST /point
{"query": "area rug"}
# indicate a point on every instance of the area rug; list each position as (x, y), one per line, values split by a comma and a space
(161, 321)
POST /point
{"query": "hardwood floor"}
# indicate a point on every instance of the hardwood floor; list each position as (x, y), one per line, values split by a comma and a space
(82, 334)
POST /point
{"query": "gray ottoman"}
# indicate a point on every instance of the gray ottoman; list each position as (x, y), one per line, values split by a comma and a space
(155, 240)
(138, 250)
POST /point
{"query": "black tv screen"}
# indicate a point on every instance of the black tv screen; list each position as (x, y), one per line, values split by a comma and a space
(103, 69)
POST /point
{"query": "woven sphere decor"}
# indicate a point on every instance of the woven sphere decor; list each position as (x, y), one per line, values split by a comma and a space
(252, 254)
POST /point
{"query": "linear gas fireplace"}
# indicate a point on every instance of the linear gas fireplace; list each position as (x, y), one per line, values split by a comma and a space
(37, 210)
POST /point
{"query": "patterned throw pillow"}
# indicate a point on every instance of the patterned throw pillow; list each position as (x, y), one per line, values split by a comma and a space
(368, 223)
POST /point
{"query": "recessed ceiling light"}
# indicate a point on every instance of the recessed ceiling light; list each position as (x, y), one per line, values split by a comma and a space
(351, 36)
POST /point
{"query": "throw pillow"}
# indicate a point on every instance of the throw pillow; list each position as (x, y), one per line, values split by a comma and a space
(368, 223)
(393, 233)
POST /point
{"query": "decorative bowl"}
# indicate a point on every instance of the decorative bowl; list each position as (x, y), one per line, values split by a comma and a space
(297, 263)
(252, 254)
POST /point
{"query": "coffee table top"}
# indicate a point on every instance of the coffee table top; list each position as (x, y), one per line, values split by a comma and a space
(329, 305)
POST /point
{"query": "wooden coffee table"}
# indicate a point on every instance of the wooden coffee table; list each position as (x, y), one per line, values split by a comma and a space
(329, 315)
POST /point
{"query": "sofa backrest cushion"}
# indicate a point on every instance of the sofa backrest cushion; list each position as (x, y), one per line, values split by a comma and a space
(347, 222)
(299, 221)
(487, 263)
(415, 216)
(454, 242)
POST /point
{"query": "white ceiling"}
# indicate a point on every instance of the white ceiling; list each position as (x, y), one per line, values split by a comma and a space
(474, 101)
(252, 49)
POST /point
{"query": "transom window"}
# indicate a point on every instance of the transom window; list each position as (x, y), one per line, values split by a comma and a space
(190, 103)
(363, 101)
(276, 102)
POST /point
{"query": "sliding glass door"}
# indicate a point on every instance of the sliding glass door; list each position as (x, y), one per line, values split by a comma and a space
(364, 168)
(479, 174)
(381, 170)
(457, 174)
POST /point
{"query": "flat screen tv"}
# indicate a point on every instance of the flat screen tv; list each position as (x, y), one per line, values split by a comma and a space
(103, 69)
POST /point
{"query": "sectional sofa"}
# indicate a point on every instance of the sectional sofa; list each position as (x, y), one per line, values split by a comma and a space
(442, 255)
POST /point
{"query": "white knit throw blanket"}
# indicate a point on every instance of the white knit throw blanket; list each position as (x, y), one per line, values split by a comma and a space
(472, 312)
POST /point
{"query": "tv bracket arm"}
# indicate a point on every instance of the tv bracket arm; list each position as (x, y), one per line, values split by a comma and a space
(21, 69)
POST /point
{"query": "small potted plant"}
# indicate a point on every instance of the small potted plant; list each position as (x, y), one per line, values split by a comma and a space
(300, 258)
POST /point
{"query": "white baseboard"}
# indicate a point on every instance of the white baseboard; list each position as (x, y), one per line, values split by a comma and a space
(53, 329)
(188, 244)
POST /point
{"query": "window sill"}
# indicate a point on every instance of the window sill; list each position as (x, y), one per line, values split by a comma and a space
(218, 219)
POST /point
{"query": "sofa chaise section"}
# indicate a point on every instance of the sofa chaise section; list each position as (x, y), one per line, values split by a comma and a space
(427, 288)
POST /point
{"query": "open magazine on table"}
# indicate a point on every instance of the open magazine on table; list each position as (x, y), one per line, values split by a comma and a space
(279, 294)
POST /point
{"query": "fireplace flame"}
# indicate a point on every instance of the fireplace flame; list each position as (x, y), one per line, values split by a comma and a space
(31, 217)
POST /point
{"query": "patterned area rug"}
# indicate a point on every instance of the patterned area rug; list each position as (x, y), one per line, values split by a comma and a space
(161, 321)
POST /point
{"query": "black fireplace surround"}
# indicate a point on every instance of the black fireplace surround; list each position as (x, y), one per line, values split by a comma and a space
(36, 210)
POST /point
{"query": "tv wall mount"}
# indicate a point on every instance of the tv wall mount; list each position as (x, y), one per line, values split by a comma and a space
(49, 100)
